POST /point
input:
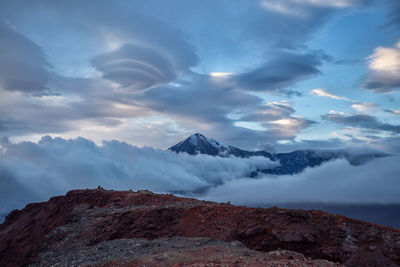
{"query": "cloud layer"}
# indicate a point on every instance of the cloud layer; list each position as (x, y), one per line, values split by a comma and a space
(152, 72)
(22, 63)
(334, 182)
(36, 171)
(362, 121)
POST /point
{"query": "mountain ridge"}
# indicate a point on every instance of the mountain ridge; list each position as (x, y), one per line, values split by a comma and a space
(290, 163)
(97, 227)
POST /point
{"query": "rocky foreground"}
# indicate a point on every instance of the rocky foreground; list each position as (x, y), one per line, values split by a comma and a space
(124, 228)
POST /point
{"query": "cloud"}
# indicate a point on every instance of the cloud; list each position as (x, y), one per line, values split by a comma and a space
(334, 182)
(301, 8)
(22, 114)
(281, 70)
(22, 63)
(364, 107)
(394, 15)
(199, 97)
(204, 104)
(135, 64)
(136, 67)
(271, 111)
(384, 69)
(323, 92)
(362, 121)
(288, 128)
(36, 171)
(395, 112)
(91, 28)
(278, 120)
(331, 3)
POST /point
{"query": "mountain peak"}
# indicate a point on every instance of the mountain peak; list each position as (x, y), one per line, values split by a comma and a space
(198, 144)
(290, 163)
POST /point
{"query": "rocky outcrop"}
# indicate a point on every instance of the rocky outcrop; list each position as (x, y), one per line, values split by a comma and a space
(105, 227)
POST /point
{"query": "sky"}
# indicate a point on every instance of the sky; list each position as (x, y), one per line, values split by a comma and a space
(257, 74)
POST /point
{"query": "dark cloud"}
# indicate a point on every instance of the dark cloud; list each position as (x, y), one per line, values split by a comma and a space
(362, 121)
(394, 112)
(148, 46)
(22, 63)
(393, 16)
(136, 67)
(279, 120)
(201, 98)
(332, 143)
(205, 104)
(21, 114)
(271, 111)
(281, 70)
(101, 27)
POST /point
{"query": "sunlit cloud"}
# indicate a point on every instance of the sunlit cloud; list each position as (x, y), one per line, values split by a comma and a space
(329, 3)
(364, 107)
(325, 93)
(301, 8)
(220, 74)
(283, 7)
(384, 68)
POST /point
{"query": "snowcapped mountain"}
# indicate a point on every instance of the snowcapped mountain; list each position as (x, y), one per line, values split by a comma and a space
(290, 163)
(199, 144)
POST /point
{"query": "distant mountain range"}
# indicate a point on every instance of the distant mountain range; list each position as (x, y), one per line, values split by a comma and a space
(290, 163)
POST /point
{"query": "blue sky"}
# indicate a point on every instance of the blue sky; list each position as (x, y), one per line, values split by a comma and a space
(257, 74)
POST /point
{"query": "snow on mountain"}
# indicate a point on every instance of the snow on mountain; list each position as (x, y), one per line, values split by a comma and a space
(290, 163)
(199, 144)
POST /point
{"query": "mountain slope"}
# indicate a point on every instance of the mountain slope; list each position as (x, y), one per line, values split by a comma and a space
(199, 144)
(290, 163)
(124, 228)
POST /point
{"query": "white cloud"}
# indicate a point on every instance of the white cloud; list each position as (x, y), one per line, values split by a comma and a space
(300, 8)
(283, 7)
(220, 74)
(35, 171)
(329, 3)
(325, 93)
(364, 107)
(334, 182)
(384, 69)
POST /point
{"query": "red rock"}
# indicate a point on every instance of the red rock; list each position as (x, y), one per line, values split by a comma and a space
(100, 215)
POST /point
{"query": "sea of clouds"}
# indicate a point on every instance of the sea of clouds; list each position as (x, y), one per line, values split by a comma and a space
(36, 171)
(31, 172)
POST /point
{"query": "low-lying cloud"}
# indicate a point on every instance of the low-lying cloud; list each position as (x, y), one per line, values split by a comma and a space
(334, 182)
(36, 171)
(31, 172)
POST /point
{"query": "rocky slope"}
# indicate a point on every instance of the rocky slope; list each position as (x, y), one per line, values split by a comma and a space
(103, 228)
